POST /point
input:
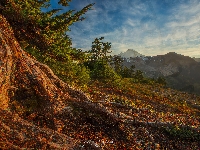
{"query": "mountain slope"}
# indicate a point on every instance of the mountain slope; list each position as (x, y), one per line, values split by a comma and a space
(196, 59)
(181, 72)
(40, 111)
(130, 53)
(137, 117)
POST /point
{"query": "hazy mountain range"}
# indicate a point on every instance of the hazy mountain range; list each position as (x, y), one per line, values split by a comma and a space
(181, 72)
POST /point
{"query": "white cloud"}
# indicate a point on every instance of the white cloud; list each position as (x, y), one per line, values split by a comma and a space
(132, 22)
(141, 30)
(184, 23)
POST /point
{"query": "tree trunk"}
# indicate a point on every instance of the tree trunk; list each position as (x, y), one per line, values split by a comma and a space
(8, 50)
(22, 78)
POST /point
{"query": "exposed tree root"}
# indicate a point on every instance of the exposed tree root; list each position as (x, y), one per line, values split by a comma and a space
(25, 82)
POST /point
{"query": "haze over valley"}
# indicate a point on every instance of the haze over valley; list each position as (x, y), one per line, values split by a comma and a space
(181, 72)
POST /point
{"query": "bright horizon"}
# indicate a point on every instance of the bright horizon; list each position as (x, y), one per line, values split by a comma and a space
(149, 27)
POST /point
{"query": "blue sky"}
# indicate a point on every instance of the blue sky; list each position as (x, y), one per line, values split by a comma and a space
(151, 27)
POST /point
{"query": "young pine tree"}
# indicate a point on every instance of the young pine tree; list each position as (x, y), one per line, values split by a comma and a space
(98, 61)
(44, 34)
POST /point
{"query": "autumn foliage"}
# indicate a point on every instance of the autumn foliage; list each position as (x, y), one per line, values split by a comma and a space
(38, 110)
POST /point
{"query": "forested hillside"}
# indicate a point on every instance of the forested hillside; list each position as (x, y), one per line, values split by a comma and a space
(54, 96)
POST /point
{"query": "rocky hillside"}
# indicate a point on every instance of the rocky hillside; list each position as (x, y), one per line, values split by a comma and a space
(131, 116)
(181, 72)
(40, 111)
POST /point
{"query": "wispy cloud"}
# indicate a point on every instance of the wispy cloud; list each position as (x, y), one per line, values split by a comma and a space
(150, 27)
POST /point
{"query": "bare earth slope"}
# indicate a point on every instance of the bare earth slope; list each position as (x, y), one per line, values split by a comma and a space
(39, 111)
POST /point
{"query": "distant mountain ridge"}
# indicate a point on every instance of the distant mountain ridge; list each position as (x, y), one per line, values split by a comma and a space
(130, 53)
(196, 59)
(181, 72)
(133, 53)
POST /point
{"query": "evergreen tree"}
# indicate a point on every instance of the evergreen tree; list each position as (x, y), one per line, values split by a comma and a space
(43, 30)
(127, 72)
(161, 81)
(116, 61)
(98, 61)
(99, 50)
(138, 76)
(44, 34)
